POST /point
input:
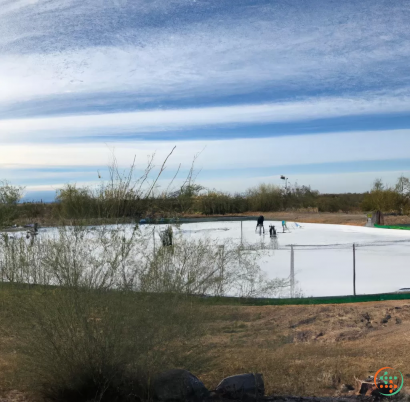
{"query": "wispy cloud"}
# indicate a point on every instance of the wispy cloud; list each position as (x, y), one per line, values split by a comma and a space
(164, 120)
(56, 47)
(220, 154)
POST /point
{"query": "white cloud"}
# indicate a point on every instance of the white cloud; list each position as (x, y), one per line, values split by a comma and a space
(220, 154)
(247, 50)
(179, 119)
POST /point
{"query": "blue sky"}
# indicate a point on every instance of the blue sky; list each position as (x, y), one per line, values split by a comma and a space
(316, 90)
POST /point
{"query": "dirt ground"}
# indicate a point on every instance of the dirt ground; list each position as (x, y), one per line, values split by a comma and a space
(310, 350)
(353, 219)
(358, 219)
(300, 350)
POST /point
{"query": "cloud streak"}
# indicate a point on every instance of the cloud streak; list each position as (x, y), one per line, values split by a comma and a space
(56, 48)
(180, 119)
(220, 154)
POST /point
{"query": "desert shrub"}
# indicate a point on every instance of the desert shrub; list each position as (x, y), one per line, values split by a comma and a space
(93, 345)
(219, 203)
(125, 257)
(108, 311)
(208, 267)
(127, 193)
(340, 202)
(296, 197)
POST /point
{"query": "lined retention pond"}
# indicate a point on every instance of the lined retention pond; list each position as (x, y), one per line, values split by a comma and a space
(323, 254)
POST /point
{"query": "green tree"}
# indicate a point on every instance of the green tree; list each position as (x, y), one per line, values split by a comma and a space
(9, 198)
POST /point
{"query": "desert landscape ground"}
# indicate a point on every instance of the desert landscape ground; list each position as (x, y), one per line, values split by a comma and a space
(301, 350)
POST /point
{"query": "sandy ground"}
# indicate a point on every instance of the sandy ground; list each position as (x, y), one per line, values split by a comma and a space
(312, 350)
(353, 219)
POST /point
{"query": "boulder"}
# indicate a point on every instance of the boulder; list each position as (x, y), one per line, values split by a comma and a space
(178, 385)
(243, 386)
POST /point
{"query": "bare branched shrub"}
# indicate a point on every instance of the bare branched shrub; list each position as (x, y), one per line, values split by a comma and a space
(21, 261)
(119, 309)
(209, 267)
(95, 258)
(127, 194)
(124, 257)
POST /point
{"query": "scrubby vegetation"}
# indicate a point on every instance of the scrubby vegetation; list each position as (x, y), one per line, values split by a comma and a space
(74, 203)
(96, 312)
(394, 199)
(127, 197)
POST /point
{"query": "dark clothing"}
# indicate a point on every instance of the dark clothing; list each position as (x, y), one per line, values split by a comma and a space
(260, 223)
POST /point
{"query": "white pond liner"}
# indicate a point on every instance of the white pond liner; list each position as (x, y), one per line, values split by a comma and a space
(323, 254)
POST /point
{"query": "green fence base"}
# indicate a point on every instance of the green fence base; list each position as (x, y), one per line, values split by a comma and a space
(307, 300)
(392, 227)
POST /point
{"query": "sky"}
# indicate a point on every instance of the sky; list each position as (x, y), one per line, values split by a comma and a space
(318, 91)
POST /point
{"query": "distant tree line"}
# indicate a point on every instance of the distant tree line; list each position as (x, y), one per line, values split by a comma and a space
(83, 203)
(122, 197)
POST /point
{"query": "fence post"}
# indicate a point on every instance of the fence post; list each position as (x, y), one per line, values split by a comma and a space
(354, 269)
(241, 234)
(221, 268)
(153, 236)
(292, 272)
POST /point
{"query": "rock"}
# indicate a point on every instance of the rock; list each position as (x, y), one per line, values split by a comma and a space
(242, 386)
(398, 321)
(398, 308)
(346, 388)
(178, 385)
(367, 388)
(386, 319)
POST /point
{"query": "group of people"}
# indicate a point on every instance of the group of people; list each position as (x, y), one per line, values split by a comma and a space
(272, 230)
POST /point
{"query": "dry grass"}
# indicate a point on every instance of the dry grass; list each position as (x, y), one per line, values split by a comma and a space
(309, 350)
(339, 218)
(301, 350)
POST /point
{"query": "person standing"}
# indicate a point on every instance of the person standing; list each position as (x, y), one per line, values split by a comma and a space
(260, 223)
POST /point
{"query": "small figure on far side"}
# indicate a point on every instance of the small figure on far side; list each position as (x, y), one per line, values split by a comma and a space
(260, 223)
(272, 231)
